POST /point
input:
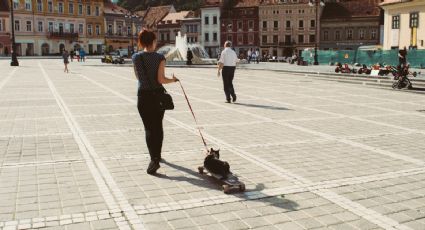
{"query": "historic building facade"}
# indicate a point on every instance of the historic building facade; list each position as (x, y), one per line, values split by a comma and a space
(210, 27)
(287, 27)
(5, 44)
(44, 27)
(121, 27)
(347, 25)
(169, 27)
(191, 27)
(239, 24)
(404, 24)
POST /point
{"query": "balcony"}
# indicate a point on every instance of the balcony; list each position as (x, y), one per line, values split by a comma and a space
(287, 43)
(63, 35)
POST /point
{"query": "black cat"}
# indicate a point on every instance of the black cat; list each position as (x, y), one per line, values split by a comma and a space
(216, 166)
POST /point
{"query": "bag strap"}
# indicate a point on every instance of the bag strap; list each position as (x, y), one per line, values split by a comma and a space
(194, 117)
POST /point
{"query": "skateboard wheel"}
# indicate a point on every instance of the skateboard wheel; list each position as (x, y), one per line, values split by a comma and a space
(242, 187)
(226, 188)
(201, 170)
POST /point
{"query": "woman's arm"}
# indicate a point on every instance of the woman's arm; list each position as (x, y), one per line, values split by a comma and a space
(161, 75)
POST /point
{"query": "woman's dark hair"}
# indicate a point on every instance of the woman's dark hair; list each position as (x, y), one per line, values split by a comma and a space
(146, 38)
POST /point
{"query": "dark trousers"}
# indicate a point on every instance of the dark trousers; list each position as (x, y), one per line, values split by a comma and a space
(228, 74)
(152, 117)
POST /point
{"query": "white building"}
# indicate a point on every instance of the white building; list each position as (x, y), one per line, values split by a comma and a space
(210, 28)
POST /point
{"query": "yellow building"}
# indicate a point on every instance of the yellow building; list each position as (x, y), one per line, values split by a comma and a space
(44, 27)
(404, 24)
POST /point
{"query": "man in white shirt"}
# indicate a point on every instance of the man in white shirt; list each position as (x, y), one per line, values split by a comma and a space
(227, 63)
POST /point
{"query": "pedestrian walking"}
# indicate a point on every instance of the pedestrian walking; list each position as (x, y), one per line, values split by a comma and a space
(227, 64)
(71, 54)
(149, 68)
(249, 55)
(189, 56)
(77, 53)
(65, 56)
(83, 55)
(257, 56)
(402, 60)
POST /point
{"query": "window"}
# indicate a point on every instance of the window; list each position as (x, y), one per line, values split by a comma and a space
(396, 22)
(60, 7)
(229, 37)
(168, 36)
(162, 37)
(264, 39)
(250, 39)
(110, 29)
(29, 26)
(119, 32)
(288, 39)
(98, 30)
(17, 26)
(61, 27)
(129, 30)
(337, 35)
(373, 34)
(275, 39)
(39, 6)
(28, 5)
(50, 28)
(250, 24)
(264, 24)
(312, 38)
(71, 8)
(80, 9)
(325, 35)
(207, 20)
(50, 7)
(312, 23)
(414, 20)
(215, 20)
(207, 37)
(361, 34)
(80, 28)
(301, 24)
(300, 38)
(240, 39)
(240, 25)
(71, 28)
(288, 24)
(215, 37)
(88, 10)
(15, 4)
(349, 34)
(275, 25)
(97, 11)
(89, 29)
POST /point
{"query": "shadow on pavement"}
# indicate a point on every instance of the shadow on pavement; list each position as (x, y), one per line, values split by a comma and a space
(261, 106)
(212, 183)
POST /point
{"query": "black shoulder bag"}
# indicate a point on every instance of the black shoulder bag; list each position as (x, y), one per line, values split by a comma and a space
(164, 99)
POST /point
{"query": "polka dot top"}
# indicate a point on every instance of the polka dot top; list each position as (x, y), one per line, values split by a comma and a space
(148, 61)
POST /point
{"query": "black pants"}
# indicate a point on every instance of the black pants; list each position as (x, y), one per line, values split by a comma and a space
(228, 74)
(152, 117)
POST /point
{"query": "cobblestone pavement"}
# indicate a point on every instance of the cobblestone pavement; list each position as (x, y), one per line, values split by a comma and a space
(313, 154)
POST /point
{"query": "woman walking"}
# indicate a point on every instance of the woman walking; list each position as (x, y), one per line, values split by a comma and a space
(65, 56)
(149, 68)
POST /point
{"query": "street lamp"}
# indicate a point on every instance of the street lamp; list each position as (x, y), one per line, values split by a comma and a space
(131, 16)
(318, 4)
(14, 61)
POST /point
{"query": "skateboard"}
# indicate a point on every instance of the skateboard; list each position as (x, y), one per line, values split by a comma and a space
(229, 183)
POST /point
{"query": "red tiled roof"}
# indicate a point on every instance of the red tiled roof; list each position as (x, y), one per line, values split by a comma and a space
(390, 2)
(174, 17)
(111, 8)
(4, 6)
(248, 3)
(156, 14)
(351, 8)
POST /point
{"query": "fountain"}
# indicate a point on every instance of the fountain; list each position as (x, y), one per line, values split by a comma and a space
(176, 54)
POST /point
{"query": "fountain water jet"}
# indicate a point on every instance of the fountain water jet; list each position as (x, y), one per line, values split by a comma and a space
(176, 54)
